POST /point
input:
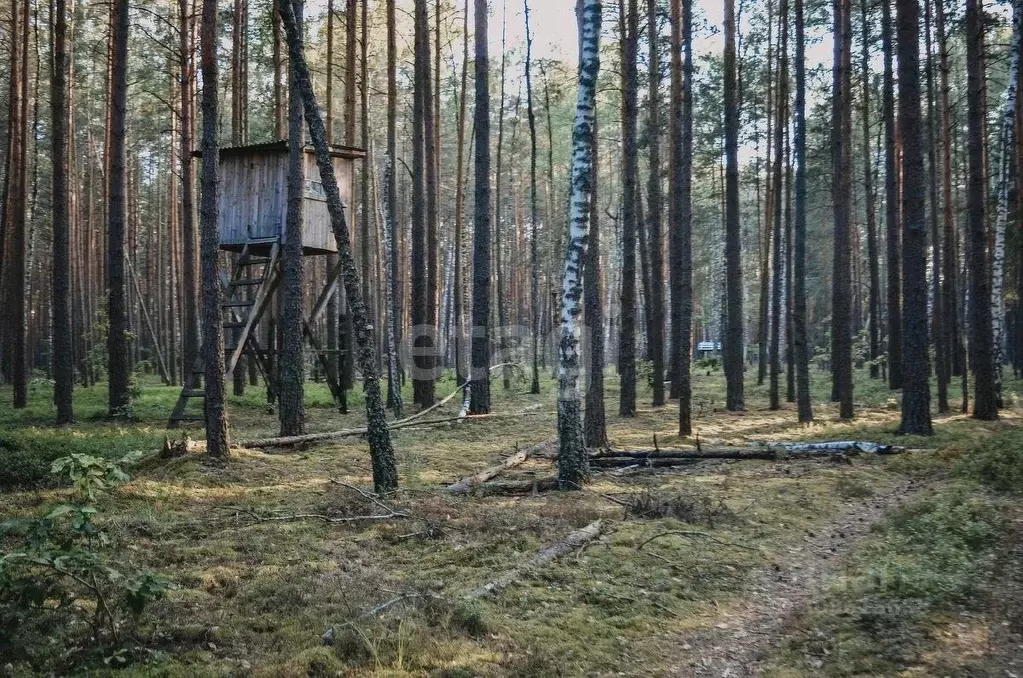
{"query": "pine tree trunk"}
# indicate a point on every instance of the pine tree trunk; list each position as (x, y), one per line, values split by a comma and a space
(595, 424)
(385, 474)
(420, 280)
(459, 278)
(680, 211)
(873, 262)
(655, 322)
(630, 197)
(391, 217)
(217, 444)
(891, 192)
(779, 140)
(63, 346)
(938, 311)
(291, 368)
(480, 331)
(118, 360)
(841, 294)
(985, 404)
(735, 398)
(916, 391)
(801, 349)
(431, 154)
(573, 466)
(15, 332)
(534, 244)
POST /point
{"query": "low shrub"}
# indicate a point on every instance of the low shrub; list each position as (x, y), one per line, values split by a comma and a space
(996, 462)
(60, 580)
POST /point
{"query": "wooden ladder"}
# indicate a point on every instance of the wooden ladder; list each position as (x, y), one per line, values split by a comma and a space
(241, 314)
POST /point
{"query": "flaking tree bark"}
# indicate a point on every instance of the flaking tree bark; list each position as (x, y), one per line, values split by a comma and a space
(573, 461)
(385, 474)
(217, 443)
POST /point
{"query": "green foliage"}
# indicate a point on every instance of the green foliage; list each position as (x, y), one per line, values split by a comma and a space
(931, 550)
(27, 454)
(711, 364)
(997, 462)
(928, 557)
(61, 579)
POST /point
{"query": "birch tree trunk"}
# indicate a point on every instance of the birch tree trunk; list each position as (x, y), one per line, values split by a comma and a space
(573, 464)
(1006, 141)
(385, 474)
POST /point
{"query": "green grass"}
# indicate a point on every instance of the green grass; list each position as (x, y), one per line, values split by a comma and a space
(929, 559)
(254, 597)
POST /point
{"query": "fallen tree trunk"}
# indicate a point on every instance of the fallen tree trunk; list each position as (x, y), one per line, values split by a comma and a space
(468, 482)
(531, 486)
(847, 446)
(684, 454)
(663, 462)
(556, 550)
(286, 441)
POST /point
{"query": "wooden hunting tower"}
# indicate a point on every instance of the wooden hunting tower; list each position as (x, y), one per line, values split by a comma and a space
(254, 195)
(253, 210)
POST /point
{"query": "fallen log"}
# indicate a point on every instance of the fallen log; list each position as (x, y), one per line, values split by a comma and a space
(287, 441)
(622, 462)
(846, 446)
(531, 486)
(684, 454)
(556, 550)
(468, 482)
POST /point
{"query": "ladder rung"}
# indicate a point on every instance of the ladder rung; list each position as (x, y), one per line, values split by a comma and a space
(193, 393)
(236, 304)
(234, 325)
(254, 261)
(242, 283)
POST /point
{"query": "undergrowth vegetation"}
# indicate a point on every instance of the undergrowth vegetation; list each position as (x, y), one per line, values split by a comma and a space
(260, 572)
(929, 562)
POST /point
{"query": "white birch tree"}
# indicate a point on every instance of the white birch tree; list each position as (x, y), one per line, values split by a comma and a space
(1006, 141)
(572, 460)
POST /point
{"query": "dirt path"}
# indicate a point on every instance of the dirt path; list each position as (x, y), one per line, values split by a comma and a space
(743, 635)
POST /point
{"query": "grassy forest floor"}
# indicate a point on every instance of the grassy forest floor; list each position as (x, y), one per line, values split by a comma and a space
(898, 565)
